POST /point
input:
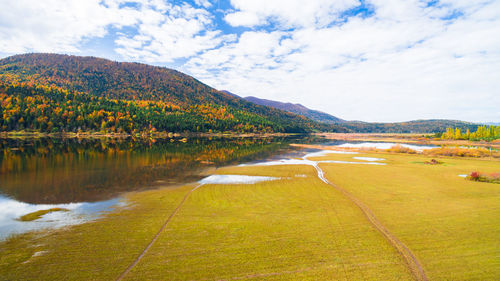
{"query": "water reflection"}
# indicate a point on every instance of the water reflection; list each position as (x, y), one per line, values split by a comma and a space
(58, 171)
(85, 176)
(235, 179)
(11, 210)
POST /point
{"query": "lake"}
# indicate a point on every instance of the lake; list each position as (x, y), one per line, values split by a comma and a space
(87, 176)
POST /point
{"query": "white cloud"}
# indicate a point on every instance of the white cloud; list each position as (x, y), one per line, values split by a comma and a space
(169, 33)
(203, 3)
(407, 61)
(290, 13)
(158, 31)
(243, 19)
(57, 26)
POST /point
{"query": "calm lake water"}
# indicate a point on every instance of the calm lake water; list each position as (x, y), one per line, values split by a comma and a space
(57, 171)
(87, 176)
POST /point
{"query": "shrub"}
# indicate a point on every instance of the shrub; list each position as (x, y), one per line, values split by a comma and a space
(462, 152)
(491, 178)
(474, 176)
(401, 149)
(433, 162)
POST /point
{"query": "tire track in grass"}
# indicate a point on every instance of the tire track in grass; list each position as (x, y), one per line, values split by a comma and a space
(334, 237)
(410, 259)
(136, 261)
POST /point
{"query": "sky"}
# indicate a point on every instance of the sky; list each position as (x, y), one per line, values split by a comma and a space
(369, 60)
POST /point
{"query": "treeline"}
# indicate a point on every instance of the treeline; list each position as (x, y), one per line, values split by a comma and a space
(417, 126)
(487, 133)
(52, 109)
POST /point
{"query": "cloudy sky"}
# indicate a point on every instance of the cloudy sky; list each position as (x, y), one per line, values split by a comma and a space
(371, 60)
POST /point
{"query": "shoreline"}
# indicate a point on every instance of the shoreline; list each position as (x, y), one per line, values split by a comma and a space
(22, 134)
(406, 138)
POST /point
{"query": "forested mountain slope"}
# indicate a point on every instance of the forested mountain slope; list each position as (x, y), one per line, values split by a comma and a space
(415, 126)
(87, 85)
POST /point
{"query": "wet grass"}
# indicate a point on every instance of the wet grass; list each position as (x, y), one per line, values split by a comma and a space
(98, 250)
(296, 228)
(450, 223)
(38, 214)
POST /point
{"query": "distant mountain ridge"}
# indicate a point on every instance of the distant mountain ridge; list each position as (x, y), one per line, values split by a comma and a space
(297, 109)
(293, 108)
(414, 126)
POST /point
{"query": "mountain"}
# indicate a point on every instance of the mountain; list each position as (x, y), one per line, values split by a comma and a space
(415, 126)
(52, 92)
(297, 109)
(110, 79)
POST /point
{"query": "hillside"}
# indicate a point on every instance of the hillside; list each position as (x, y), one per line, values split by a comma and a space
(416, 126)
(297, 109)
(492, 123)
(183, 102)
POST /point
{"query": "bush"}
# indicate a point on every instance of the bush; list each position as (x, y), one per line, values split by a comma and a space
(433, 162)
(462, 152)
(491, 178)
(401, 149)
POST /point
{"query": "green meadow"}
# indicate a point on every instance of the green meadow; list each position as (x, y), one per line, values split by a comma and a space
(294, 228)
(38, 214)
(451, 224)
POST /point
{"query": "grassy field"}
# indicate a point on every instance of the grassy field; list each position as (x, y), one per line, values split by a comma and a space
(451, 224)
(295, 228)
(99, 250)
(38, 214)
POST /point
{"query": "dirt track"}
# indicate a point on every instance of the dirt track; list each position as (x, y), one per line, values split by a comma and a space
(410, 259)
(157, 234)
